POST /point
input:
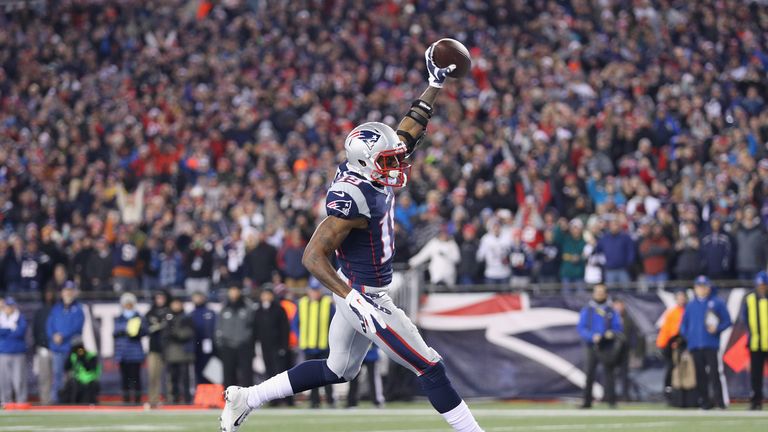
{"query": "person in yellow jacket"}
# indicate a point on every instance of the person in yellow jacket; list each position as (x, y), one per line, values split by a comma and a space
(315, 311)
(755, 315)
(670, 328)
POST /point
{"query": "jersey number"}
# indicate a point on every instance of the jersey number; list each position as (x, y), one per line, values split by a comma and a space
(388, 233)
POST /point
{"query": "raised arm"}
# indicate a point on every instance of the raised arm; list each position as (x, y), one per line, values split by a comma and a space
(413, 126)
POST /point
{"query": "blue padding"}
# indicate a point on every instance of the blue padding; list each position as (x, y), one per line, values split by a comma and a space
(312, 374)
(438, 388)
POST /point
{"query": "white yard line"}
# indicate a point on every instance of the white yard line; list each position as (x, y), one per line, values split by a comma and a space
(131, 428)
(557, 427)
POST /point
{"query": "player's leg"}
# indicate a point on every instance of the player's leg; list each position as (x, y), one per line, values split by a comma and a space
(347, 350)
(402, 342)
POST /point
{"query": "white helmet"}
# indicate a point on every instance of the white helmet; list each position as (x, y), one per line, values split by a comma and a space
(375, 152)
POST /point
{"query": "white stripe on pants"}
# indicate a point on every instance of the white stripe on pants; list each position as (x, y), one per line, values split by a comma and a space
(13, 379)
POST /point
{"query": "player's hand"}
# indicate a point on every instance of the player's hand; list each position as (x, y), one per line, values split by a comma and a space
(596, 338)
(366, 310)
(437, 74)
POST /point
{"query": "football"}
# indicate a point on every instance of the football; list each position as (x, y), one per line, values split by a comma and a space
(450, 51)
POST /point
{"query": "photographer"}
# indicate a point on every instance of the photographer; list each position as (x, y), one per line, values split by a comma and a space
(600, 327)
(84, 370)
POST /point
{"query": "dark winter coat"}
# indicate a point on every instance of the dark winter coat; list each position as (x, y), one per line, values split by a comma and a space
(128, 348)
(179, 339)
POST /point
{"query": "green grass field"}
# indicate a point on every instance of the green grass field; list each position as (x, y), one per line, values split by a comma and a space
(494, 417)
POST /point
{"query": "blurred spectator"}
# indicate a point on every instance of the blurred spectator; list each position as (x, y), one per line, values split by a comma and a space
(751, 245)
(403, 249)
(521, 262)
(204, 320)
(260, 260)
(619, 250)
(443, 255)
(704, 319)
(83, 372)
(156, 323)
(273, 331)
(98, 267)
(494, 253)
(571, 246)
(178, 340)
(716, 251)
(549, 258)
(171, 271)
(42, 352)
(600, 328)
(125, 256)
(65, 322)
(469, 268)
(670, 328)
(199, 266)
(375, 387)
(406, 211)
(129, 353)
(235, 338)
(755, 315)
(632, 350)
(289, 260)
(81, 250)
(13, 350)
(12, 265)
(503, 197)
(655, 250)
(315, 313)
(149, 265)
(32, 269)
(689, 263)
(60, 277)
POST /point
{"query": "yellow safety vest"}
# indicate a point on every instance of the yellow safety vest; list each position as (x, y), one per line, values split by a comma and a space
(757, 320)
(314, 323)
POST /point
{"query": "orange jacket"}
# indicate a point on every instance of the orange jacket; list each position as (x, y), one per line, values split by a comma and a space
(291, 310)
(671, 326)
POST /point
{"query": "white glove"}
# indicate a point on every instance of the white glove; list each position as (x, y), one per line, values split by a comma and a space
(366, 310)
(436, 74)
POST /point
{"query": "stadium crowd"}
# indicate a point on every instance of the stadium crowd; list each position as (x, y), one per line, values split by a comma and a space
(188, 145)
(185, 144)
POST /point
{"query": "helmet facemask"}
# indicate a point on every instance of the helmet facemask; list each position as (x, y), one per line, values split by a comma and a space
(390, 168)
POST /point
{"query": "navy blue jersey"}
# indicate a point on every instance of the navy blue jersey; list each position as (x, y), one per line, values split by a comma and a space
(365, 256)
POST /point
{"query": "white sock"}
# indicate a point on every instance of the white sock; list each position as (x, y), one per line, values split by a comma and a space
(277, 387)
(461, 419)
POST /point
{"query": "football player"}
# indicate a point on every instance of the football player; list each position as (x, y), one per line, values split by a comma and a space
(359, 229)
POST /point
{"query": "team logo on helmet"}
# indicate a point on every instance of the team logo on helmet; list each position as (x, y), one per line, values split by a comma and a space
(369, 137)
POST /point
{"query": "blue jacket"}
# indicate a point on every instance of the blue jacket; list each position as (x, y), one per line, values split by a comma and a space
(716, 253)
(619, 250)
(694, 327)
(68, 321)
(12, 341)
(597, 319)
(204, 321)
(128, 349)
